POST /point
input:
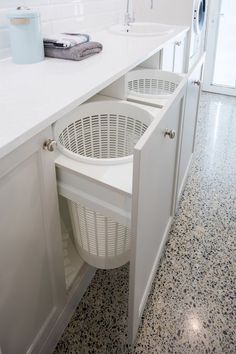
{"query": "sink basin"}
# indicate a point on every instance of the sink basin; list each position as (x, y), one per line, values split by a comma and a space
(142, 29)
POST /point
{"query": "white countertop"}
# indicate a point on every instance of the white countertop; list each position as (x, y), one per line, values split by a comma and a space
(34, 96)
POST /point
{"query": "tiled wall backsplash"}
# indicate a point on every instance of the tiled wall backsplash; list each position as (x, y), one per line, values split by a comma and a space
(64, 15)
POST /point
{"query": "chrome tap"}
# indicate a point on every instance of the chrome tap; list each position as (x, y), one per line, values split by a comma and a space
(128, 18)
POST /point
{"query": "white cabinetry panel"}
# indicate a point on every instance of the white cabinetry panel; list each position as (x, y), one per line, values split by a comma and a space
(189, 124)
(31, 261)
(174, 55)
(154, 188)
(168, 57)
(179, 55)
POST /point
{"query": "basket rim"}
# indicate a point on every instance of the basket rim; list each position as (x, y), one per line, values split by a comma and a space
(95, 108)
(94, 160)
(155, 74)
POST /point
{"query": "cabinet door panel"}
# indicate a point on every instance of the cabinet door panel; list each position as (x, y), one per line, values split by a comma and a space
(173, 55)
(152, 205)
(32, 291)
(179, 55)
(168, 57)
(189, 124)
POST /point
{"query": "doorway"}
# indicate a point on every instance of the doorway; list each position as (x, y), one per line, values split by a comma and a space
(220, 69)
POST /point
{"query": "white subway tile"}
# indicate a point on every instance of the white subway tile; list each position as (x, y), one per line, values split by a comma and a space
(3, 18)
(4, 38)
(34, 3)
(68, 25)
(64, 11)
(5, 53)
(47, 28)
(64, 16)
(8, 3)
(61, 1)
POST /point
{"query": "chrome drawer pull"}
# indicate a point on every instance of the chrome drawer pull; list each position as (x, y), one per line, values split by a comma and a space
(170, 133)
(197, 82)
(50, 145)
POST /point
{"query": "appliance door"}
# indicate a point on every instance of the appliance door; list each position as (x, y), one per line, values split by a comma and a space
(199, 15)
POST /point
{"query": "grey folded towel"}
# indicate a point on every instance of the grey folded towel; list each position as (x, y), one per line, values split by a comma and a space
(66, 40)
(78, 52)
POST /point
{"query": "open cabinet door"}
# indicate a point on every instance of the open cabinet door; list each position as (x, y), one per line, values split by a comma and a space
(154, 187)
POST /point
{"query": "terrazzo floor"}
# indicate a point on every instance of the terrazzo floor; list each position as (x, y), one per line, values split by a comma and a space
(192, 305)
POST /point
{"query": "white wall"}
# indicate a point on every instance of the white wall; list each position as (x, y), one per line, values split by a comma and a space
(64, 15)
(176, 12)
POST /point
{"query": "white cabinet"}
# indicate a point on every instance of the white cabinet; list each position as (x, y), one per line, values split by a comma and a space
(33, 290)
(31, 262)
(189, 124)
(167, 61)
(154, 186)
(179, 55)
(173, 55)
(147, 196)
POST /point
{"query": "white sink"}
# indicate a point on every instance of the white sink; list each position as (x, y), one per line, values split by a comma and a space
(142, 29)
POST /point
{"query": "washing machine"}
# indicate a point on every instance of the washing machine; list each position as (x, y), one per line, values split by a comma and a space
(198, 28)
(190, 13)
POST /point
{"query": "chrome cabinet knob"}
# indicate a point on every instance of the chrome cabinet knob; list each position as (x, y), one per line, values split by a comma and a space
(170, 133)
(50, 145)
(178, 43)
(197, 82)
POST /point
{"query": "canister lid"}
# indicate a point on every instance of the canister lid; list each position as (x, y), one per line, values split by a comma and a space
(23, 12)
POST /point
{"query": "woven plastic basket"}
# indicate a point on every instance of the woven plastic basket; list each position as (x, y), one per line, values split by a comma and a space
(152, 83)
(100, 241)
(101, 132)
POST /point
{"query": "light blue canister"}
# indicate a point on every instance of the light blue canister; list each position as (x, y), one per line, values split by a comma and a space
(25, 36)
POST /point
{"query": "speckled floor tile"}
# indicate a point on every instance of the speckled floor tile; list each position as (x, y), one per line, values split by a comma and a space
(192, 305)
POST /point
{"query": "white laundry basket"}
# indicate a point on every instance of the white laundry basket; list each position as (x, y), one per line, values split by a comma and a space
(152, 83)
(101, 133)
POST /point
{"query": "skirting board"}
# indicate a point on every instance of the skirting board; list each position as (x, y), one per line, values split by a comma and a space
(76, 292)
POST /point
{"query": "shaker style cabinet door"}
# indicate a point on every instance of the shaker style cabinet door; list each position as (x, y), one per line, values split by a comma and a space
(179, 55)
(154, 187)
(168, 57)
(189, 124)
(31, 262)
(173, 55)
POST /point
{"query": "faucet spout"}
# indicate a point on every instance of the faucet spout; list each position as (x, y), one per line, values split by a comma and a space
(128, 18)
(127, 6)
